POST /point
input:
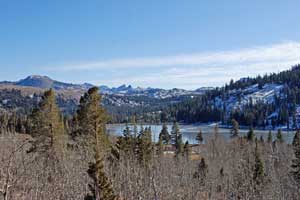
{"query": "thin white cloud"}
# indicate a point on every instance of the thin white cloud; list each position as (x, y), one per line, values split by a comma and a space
(194, 70)
(280, 52)
(193, 78)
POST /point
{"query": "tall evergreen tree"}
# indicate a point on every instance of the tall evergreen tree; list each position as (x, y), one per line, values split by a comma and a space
(258, 174)
(126, 142)
(126, 131)
(296, 161)
(145, 146)
(101, 187)
(47, 126)
(135, 129)
(92, 119)
(179, 146)
(164, 134)
(176, 138)
(199, 137)
(250, 135)
(175, 133)
(279, 136)
(296, 139)
(186, 150)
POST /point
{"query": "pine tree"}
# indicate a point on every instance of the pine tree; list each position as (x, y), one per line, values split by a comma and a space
(101, 187)
(258, 174)
(91, 119)
(186, 150)
(279, 136)
(126, 142)
(235, 128)
(179, 146)
(270, 139)
(199, 137)
(250, 135)
(175, 133)
(296, 161)
(145, 146)
(296, 140)
(47, 127)
(126, 131)
(164, 134)
(176, 138)
(135, 129)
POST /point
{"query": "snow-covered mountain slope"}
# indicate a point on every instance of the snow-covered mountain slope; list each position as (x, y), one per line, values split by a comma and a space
(158, 93)
(252, 94)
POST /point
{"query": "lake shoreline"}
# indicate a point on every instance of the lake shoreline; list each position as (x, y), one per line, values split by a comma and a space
(190, 131)
(212, 124)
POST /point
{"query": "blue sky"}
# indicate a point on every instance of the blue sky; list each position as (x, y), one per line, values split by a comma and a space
(169, 43)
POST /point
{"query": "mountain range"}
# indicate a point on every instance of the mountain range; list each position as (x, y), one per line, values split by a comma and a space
(120, 102)
(271, 100)
(44, 82)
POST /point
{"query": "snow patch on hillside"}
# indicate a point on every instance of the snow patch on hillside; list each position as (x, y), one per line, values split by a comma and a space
(252, 94)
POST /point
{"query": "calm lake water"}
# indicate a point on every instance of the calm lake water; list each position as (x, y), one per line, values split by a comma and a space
(190, 131)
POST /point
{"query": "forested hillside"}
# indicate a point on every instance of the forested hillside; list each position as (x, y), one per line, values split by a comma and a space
(264, 101)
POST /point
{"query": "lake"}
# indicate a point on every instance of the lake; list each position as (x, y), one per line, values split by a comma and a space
(189, 131)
